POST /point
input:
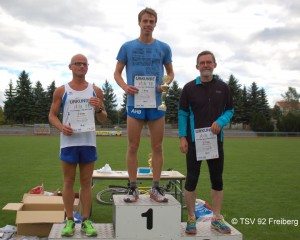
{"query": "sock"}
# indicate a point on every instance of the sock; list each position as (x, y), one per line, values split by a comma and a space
(133, 184)
(155, 184)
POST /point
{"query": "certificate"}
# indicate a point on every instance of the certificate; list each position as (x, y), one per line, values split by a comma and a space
(145, 98)
(206, 144)
(81, 117)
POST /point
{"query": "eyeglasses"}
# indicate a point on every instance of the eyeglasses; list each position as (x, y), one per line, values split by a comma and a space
(206, 62)
(78, 64)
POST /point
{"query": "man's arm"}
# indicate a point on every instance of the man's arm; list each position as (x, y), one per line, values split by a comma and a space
(98, 103)
(120, 81)
(54, 111)
(182, 128)
(170, 72)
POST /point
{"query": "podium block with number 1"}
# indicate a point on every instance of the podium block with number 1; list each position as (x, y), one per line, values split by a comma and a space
(146, 218)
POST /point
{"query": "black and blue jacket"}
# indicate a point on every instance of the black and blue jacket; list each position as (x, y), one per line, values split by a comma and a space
(201, 104)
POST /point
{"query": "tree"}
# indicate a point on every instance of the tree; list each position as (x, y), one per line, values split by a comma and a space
(236, 93)
(110, 104)
(122, 112)
(289, 123)
(260, 117)
(9, 104)
(40, 107)
(172, 101)
(49, 94)
(292, 98)
(2, 117)
(260, 123)
(253, 98)
(245, 111)
(24, 99)
(276, 113)
(263, 104)
(291, 95)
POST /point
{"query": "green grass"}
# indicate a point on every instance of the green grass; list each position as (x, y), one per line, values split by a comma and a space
(261, 177)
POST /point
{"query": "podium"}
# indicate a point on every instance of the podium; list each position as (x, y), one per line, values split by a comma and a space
(145, 220)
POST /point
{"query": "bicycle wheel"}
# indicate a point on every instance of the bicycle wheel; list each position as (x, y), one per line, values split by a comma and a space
(105, 196)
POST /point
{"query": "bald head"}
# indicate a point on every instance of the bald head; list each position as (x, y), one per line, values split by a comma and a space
(78, 58)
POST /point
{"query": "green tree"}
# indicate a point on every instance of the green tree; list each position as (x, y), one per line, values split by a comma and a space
(236, 92)
(260, 123)
(291, 95)
(253, 98)
(24, 99)
(260, 117)
(2, 117)
(245, 110)
(276, 113)
(122, 113)
(9, 104)
(172, 101)
(289, 123)
(49, 94)
(40, 107)
(263, 104)
(110, 102)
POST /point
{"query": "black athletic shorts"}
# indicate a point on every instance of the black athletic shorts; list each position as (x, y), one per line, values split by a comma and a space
(215, 167)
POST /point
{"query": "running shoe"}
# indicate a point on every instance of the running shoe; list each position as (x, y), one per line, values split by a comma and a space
(88, 228)
(132, 195)
(69, 229)
(191, 225)
(157, 194)
(219, 225)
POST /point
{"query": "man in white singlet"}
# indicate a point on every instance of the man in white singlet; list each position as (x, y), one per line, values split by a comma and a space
(79, 102)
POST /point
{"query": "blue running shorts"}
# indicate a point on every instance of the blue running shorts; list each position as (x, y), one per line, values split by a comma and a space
(78, 154)
(145, 114)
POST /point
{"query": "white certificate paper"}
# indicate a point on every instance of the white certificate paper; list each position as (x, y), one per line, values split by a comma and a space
(206, 144)
(145, 98)
(81, 117)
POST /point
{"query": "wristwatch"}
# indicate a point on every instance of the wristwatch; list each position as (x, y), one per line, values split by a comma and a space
(100, 110)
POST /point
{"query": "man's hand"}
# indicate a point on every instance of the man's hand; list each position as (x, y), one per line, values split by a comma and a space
(215, 128)
(96, 103)
(183, 145)
(67, 130)
(131, 90)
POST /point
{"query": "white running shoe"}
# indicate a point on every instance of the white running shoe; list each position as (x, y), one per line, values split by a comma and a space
(132, 195)
(158, 195)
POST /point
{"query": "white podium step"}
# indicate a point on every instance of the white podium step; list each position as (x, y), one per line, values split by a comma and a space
(146, 219)
(204, 232)
(106, 232)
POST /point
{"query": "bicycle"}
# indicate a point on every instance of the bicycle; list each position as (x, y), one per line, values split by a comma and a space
(105, 196)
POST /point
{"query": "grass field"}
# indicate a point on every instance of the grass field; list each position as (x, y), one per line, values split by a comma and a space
(261, 178)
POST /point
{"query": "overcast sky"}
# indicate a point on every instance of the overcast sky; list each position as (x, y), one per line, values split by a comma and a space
(256, 41)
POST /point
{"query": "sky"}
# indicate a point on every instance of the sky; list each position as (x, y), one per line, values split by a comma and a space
(255, 41)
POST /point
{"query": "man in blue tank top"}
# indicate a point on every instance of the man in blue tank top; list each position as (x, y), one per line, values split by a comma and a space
(145, 59)
(79, 101)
